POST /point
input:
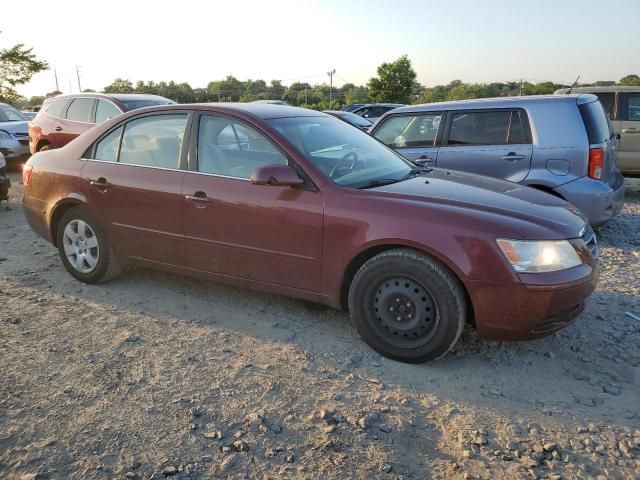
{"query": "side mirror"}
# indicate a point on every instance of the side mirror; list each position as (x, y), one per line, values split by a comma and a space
(276, 175)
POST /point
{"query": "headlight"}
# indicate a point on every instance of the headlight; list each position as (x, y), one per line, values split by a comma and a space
(539, 256)
(4, 135)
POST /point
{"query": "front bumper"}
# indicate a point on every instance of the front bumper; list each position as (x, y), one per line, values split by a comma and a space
(597, 200)
(539, 305)
(15, 151)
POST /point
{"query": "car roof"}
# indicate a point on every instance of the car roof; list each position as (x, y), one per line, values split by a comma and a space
(263, 111)
(499, 102)
(122, 97)
(381, 104)
(611, 88)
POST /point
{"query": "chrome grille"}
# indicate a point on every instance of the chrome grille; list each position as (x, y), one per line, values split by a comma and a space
(589, 239)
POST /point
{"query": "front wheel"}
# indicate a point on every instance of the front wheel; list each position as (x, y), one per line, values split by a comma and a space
(86, 252)
(407, 306)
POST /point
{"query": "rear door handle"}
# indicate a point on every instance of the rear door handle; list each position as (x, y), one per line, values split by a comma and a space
(58, 129)
(198, 198)
(630, 130)
(513, 156)
(100, 184)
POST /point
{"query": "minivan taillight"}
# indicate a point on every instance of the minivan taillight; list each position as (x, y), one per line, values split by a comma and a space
(596, 163)
(27, 170)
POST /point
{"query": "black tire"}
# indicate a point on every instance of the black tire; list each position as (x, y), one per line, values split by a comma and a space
(407, 306)
(45, 147)
(107, 266)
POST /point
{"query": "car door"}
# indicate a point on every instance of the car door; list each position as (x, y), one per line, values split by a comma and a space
(494, 142)
(413, 135)
(629, 128)
(79, 119)
(134, 175)
(270, 234)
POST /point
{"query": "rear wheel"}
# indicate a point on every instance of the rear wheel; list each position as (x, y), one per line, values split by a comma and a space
(86, 252)
(44, 147)
(407, 306)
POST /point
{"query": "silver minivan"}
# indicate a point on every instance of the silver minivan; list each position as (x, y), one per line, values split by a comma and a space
(622, 103)
(564, 145)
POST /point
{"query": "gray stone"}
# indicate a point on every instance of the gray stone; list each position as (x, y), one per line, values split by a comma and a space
(169, 470)
(240, 446)
(550, 446)
(386, 468)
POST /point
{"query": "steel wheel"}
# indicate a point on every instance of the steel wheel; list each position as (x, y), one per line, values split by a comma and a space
(406, 313)
(81, 246)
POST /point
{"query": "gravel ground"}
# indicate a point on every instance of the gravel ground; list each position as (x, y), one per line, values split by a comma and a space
(155, 375)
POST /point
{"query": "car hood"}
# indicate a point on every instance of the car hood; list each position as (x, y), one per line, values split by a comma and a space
(495, 197)
(15, 127)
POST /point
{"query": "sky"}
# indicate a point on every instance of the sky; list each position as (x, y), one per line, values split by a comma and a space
(199, 41)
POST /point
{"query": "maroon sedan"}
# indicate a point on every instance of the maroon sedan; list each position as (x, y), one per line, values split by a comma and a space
(299, 203)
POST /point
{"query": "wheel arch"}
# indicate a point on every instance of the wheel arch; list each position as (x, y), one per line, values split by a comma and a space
(58, 211)
(371, 251)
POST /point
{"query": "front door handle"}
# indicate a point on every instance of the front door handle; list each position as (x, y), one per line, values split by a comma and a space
(423, 159)
(100, 184)
(58, 129)
(199, 198)
(630, 130)
(513, 156)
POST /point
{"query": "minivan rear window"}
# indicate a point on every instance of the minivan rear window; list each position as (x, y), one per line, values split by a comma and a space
(596, 122)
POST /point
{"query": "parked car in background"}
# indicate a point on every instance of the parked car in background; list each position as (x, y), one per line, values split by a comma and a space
(307, 206)
(563, 145)
(29, 115)
(64, 117)
(373, 111)
(351, 118)
(14, 135)
(271, 102)
(622, 103)
(351, 107)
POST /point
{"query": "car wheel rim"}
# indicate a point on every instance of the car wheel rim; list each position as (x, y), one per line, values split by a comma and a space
(405, 312)
(81, 246)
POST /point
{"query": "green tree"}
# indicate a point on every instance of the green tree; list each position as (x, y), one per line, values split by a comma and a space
(17, 65)
(53, 94)
(119, 85)
(631, 80)
(394, 82)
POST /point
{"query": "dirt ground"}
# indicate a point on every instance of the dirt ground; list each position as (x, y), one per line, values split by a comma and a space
(154, 375)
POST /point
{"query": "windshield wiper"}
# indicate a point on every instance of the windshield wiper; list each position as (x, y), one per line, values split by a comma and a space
(379, 182)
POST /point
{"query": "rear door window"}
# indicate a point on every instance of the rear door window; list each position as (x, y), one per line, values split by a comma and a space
(107, 148)
(596, 122)
(153, 141)
(80, 110)
(57, 108)
(106, 110)
(479, 128)
(490, 127)
(405, 131)
(630, 107)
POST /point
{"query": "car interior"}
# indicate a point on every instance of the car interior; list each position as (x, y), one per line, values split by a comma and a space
(230, 149)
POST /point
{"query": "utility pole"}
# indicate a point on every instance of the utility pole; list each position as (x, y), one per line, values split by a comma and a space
(55, 74)
(331, 73)
(520, 87)
(78, 75)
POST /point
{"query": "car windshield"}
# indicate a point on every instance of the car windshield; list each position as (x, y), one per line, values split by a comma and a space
(135, 104)
(10, 114)
(356, 120)
(346, 155)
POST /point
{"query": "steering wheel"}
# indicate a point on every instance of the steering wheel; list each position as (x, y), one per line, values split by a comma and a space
(344, 159)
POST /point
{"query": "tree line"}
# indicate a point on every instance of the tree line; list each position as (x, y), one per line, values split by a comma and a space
(395, 82)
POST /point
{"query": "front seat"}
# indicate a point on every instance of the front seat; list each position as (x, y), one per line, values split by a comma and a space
(211, 158)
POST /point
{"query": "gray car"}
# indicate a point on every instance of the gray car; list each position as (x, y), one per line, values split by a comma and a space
(564, 145)
(14, 134)
(622, 103)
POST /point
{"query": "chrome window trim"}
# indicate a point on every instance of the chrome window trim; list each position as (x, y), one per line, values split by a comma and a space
(164, 168)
